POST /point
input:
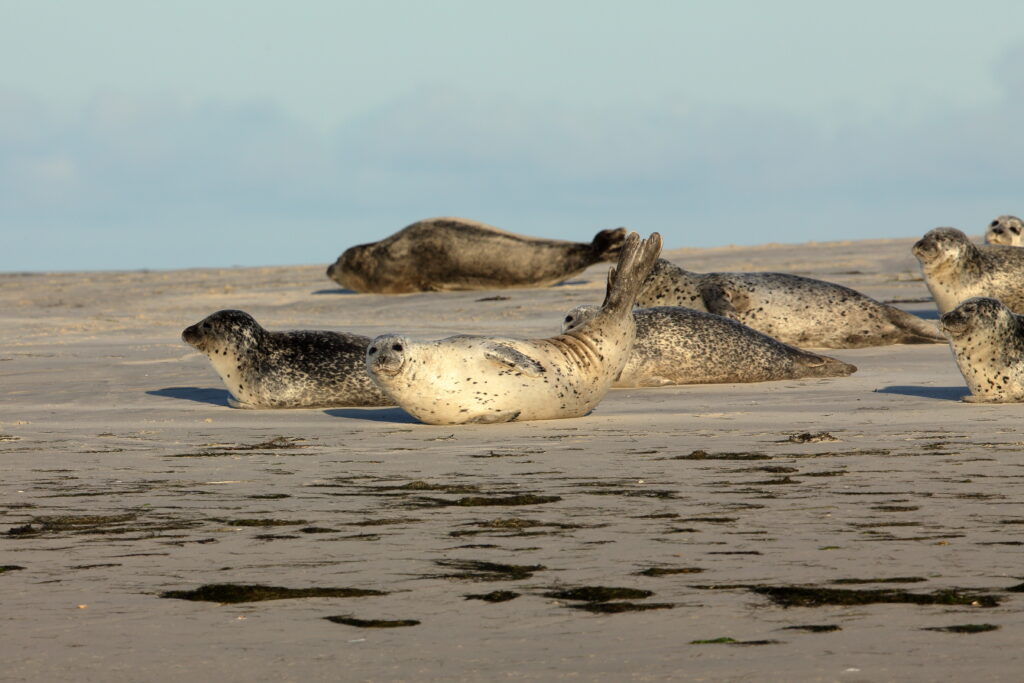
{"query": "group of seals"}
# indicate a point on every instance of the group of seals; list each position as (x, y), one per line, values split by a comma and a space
(444, 254)
(298, 369)
(476, 379)
(678, 345)
(956, 269)
(793, 309)
(1005, 230)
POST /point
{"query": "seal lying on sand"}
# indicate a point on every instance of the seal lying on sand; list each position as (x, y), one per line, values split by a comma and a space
(677, 345)
(1005, 230)
(988, 343)
(495, 379)
(793, 309)
(955, 269)
(297, 369)
(444, 254)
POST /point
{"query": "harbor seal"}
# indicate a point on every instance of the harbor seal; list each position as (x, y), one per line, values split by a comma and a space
(678, 345)
(297, 369)
(1005, 230)
(955, 269)
(988, 342)
(793, 309)
(446, 254)
(466, 379)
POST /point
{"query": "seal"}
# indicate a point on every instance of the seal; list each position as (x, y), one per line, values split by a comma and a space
(1005, 230)
(988, 342)
(446, 254)
(297, 369)
(955, 269)
(678, 345)
(793, 309)
(466, 379)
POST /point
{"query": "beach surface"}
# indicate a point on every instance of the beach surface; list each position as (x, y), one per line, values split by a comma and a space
(864, 528)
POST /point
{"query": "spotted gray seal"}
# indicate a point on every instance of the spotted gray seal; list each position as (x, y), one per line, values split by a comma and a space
(480, 379)
(444, 254)
(793, 309)
(1005, 230)
(296, 369)
(988, 342)
(955, 269)
(678, 345)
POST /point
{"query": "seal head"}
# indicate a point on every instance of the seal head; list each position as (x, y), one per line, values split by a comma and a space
(1005, 230)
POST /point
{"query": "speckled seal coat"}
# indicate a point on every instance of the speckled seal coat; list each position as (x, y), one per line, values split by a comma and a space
(443, 254)
(467, 379)
(988, 343)
(955, 269)
(1006, 231)
(678, 345)
(792, 309)
(297, 369)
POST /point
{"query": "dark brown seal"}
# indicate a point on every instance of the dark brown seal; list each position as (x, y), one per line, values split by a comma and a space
(444, 254)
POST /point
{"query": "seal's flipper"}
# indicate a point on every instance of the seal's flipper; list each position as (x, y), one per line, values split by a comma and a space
(493, 418)
(235, 403)
(509, 357)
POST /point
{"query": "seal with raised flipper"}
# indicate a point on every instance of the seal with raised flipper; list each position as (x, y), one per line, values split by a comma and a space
(793, 309)
(955, 269)
(679, 345)
(446, 254)
(479, 379)
(988, 342)
(295, 369)
(1005, 230)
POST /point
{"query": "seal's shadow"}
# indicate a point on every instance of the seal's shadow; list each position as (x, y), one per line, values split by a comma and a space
(925, 313)
(374, 414)
(335, 291)
(216, 397)
(941, 393)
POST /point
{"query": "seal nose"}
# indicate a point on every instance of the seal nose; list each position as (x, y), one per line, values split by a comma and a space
(190, 334)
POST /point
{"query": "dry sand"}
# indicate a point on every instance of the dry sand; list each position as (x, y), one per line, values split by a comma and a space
(126, 475)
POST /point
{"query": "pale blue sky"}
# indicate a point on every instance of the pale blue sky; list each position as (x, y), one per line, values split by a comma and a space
(139, 134)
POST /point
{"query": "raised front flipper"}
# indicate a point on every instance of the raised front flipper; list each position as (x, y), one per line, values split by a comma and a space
(513, 359)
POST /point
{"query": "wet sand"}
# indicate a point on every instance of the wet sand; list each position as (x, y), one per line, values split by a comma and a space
(735, 523)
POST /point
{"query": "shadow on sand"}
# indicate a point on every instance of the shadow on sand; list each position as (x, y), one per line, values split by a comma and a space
(216, 397)
(374, 414)
(941, 393)
(335, 291)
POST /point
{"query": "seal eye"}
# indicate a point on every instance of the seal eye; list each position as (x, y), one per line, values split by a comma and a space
(1015, 230)
(568, 318)
(396, 347)
(373, 349)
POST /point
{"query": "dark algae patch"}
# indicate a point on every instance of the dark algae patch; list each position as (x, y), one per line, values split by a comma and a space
(726, 640)
(704, 455)
(599, 593)
(229, 593)
(4, 568)
(261, 522)
(479, 570)
(811, 596)
(668, 571)
(619, 607)
(493, 596)
(894, 579)
(372, 623)
(814, 628)
(964, 628)
(482, 501)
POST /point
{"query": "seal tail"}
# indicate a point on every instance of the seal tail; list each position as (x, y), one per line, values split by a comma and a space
(626, 278)
(607, 244)
(916, 330)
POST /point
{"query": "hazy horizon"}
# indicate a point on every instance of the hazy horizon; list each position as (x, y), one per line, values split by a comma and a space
(139, 135)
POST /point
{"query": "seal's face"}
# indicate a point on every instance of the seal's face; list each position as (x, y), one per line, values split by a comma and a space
(386, 355)
(940, 245)
(578, 316)
(1005, 230)
(223, 328)
(976, 313)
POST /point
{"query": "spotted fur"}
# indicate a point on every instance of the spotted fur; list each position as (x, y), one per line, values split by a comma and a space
(678, 345)
(297, 369)
(443, 254)
(467, 379)
(987, 339)
(792, 309)
(955, 269)
(1006, 231)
